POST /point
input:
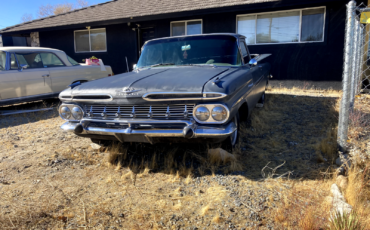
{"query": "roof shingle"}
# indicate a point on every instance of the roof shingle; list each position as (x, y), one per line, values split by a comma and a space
(121, 9)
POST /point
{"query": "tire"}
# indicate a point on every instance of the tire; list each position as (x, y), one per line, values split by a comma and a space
(231, 142)
(262, 99)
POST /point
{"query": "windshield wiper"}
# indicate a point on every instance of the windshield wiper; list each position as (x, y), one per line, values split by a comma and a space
(213, 65)
(162, 64)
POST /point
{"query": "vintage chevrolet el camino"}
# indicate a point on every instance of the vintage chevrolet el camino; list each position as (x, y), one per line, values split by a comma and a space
(189, 88)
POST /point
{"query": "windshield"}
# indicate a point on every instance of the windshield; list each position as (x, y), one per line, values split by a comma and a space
(2, 60)
(212, 50)
(72, 61)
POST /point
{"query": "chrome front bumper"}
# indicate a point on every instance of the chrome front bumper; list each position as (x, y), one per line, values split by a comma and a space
(88, 126)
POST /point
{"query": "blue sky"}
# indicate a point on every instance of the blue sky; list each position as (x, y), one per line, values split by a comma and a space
(13, 10)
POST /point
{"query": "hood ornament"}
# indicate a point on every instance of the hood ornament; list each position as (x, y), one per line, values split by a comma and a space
(127, 91)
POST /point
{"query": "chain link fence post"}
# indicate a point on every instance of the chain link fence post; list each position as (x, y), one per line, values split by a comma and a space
(354, 62)
(346, 81)
(360, 57)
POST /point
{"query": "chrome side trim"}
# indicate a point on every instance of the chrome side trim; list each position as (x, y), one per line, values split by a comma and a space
(203, 96)
(82, 100)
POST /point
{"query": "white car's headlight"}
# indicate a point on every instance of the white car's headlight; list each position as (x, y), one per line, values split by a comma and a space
(202, 113)
(219, 113)
(77, 112)
(65, 112)
(211, 113)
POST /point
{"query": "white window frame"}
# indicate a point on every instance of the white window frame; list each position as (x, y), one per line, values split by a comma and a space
(186, 25)
(100, 51)
(300, 26)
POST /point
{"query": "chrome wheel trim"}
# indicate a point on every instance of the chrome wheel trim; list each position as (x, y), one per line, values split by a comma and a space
(234, 135)
(263, 98)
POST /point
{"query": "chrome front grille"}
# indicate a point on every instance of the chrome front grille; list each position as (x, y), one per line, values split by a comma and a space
(184, 111)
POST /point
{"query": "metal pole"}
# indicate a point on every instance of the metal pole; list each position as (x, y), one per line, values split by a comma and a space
(354, 63)
(360, 59)
(344, 108)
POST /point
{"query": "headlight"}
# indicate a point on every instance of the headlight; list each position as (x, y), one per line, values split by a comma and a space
(202, 113)
(77, 113)
(211, 113)
(219, 113)
(65, 112)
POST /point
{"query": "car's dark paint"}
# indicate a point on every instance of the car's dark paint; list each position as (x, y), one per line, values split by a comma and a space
(244, 85)
(156, 79)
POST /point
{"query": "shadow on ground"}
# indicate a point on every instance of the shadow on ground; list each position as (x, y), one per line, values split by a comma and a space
(26, 118)
(292, 136)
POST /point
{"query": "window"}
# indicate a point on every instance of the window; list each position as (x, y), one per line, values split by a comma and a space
(51, 60)
(2, 59)
(186, 27)
(214, 49)
(304, 25)
(243, 47)
(32, 60)
(93, 40)
(72, 61)
(13, 62)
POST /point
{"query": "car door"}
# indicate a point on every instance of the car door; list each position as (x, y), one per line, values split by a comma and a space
(9, 85)
(33, 78)
(61, 75)
(254, 72)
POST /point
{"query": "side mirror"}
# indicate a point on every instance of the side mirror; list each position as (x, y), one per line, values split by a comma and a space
(23, 67)
(253, 62)
(134, 66)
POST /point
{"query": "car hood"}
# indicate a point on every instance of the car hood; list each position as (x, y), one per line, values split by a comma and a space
(178, 79)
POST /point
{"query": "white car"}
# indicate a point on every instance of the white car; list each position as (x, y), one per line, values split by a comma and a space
(33, 73)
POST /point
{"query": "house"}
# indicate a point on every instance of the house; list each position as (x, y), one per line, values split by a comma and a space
(305, 37)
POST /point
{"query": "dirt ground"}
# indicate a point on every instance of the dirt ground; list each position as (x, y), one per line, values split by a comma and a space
(276, 179)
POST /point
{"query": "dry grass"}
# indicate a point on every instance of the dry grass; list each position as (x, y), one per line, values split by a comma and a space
(305, 90)
(357, 192)
(143, 186)
(304, 206)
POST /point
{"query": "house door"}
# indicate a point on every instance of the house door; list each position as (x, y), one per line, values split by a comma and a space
(145, 34)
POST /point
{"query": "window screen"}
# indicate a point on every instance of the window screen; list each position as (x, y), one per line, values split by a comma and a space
(94, 40)
(278, 27)
(312, 25)
(51, 60)
(186, 28)
(194, 27)
(247, 27)
(283, 27)
(178, 28)
(82, 41)
(98, 40)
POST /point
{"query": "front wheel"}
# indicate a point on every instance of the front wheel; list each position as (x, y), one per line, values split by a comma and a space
(233, 139)
(261, 101)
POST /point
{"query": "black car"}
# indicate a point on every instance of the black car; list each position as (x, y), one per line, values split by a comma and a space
(187, 88)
